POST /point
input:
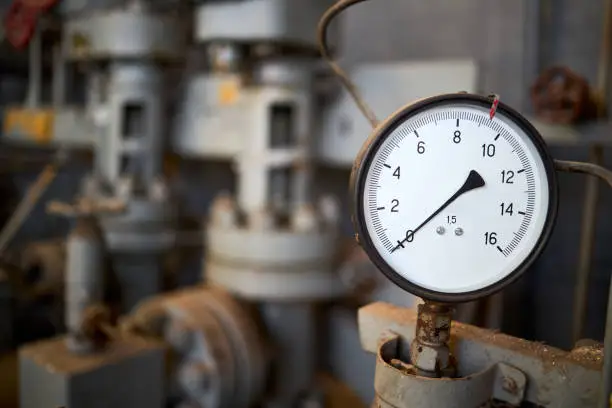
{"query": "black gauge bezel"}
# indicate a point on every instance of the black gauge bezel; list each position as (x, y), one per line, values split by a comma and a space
(362, 165)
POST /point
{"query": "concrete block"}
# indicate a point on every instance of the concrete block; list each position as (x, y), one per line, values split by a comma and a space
(129, 373)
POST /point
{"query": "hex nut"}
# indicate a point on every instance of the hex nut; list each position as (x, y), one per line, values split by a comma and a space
(224, 212)
(429, 358)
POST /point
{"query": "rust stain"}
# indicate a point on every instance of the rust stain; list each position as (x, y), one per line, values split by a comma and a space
(510, 386)
(553, 358)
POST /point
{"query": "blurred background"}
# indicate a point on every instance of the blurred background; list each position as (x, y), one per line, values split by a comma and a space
(179, 171)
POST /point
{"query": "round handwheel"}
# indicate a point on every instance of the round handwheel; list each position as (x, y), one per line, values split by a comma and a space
(19, 25)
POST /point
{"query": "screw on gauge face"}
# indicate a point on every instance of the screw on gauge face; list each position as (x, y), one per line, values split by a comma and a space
(459, 232)
(440, 230)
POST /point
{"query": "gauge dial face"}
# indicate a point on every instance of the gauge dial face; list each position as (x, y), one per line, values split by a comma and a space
(452, 203)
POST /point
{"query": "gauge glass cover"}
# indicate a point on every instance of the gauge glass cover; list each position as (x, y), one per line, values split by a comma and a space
(452, 201)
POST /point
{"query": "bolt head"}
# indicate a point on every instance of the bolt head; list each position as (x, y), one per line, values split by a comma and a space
(459, 232)
(429, 358)
(330, 210)
(262, 220)
(159, 191)
(440, 230)
(224, 212)
(304, 218)
(195, 377)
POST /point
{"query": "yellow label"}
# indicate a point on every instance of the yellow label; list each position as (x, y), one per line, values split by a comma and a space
(35, 124)
(228, 92)
(80, 43)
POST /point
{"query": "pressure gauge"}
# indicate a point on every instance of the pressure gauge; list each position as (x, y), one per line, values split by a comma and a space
(453, 200)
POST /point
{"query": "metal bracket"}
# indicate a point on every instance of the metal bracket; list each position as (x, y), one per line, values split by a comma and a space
(490, 365)
(396, 384)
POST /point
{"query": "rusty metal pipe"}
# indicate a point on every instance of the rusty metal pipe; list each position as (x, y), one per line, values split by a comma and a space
(585, 168)
(587, 241)
(606, 383)
(430, 352)
(27, 204)
(604, 60)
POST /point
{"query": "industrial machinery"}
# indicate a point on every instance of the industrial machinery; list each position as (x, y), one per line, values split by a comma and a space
(125, 49)
(484, 233)
(454, 197)
(272, 246)
(272, 250)
(247, 336)
(125, 211)
(122, 52)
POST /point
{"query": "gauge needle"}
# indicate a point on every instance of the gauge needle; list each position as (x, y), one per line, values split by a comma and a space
(472, 182)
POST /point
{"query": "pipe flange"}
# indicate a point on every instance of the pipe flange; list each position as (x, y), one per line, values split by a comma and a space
(290, 284)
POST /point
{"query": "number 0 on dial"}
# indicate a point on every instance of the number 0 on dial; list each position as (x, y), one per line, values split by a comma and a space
(450, 204)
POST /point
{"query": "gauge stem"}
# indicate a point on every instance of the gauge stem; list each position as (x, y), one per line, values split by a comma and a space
(430, 352)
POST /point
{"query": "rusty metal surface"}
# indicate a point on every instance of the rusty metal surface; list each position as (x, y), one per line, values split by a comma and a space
(87, 206)
(356, 271)
(587, 244)
(95, 321)
(398, 388)
(218, 357)
(54, 354)
(44, 264)
(555, 378)
(128, 373)
(397, 385)
(430, 352)
(559, 95)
